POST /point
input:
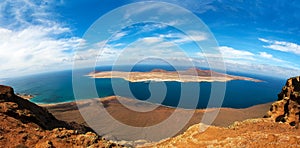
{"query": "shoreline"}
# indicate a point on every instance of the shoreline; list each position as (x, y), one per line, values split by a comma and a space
(108, 98)
(25, 96)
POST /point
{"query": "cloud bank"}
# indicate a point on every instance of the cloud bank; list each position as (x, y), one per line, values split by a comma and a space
(282, 46)
(31, 40)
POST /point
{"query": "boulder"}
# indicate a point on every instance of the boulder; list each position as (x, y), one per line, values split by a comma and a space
(287, 107)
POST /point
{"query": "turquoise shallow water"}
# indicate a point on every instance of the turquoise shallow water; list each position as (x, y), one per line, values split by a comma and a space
(56, 87)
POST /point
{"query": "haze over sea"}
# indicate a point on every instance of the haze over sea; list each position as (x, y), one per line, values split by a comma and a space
(56, 87)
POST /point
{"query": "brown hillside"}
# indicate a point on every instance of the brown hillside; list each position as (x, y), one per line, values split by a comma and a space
(25, 124)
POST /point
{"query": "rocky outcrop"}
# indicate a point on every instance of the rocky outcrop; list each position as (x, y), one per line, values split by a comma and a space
(25, 124)
(26, 111)
(251, 133)
(287, 108)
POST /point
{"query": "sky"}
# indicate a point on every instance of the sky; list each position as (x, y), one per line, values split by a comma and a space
(250, 36)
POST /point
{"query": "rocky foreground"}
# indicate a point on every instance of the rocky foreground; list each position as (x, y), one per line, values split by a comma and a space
(252, 133)
(287, 108)
(24, 124)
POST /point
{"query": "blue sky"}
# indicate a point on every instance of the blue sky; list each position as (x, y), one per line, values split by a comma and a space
(253, 36)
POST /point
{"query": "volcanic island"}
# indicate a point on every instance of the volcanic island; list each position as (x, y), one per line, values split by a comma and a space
(159, 75)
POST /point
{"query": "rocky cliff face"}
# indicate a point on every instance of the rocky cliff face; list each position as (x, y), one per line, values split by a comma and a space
(286, 109)
(25, 111)
(25, 124)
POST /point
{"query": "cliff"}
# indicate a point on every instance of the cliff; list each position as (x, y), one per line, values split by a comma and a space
(25, 124)
(27, 112)
(286, 109)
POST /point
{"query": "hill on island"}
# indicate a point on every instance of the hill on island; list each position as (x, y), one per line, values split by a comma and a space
(189, 75)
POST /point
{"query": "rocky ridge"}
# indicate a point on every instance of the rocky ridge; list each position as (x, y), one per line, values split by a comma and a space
(25, 124)
(251, 133)
(287, 108)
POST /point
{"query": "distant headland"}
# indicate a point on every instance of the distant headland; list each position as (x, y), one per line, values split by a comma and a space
(160, 75)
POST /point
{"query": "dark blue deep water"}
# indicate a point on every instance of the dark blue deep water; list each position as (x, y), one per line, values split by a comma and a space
(56, 87)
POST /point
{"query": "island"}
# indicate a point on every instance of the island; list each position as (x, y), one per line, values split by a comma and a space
(160, 75)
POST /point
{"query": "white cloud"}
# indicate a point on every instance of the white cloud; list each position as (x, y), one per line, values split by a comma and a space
(231, 53)
(201, 37)
(264, 69)
(24, 13)
(180, 38)
(144, 48)
(259, 63)
(118, 35)
(265, 55)
(245, 66)
(192, 5)
(135, 11)
(282, 46)
(31, 40)
(148, 27)
(271, 57)
(34, 50)
(152, 40)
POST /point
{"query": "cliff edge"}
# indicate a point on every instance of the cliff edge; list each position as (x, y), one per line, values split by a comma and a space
(286, 109)
(25, 124)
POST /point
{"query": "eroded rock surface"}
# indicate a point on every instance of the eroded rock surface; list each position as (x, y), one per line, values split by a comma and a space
(25, 124)
(249, 133)
(286, 109)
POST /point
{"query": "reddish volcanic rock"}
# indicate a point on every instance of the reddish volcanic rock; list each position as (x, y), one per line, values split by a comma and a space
(287, 108)
(25, 124)
(19, 108)
(204, 73)
(250, 133)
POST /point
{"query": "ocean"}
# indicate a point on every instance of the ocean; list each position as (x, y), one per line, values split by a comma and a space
(56, 87)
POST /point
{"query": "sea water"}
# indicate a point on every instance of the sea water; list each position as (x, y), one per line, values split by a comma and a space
(56, 87)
